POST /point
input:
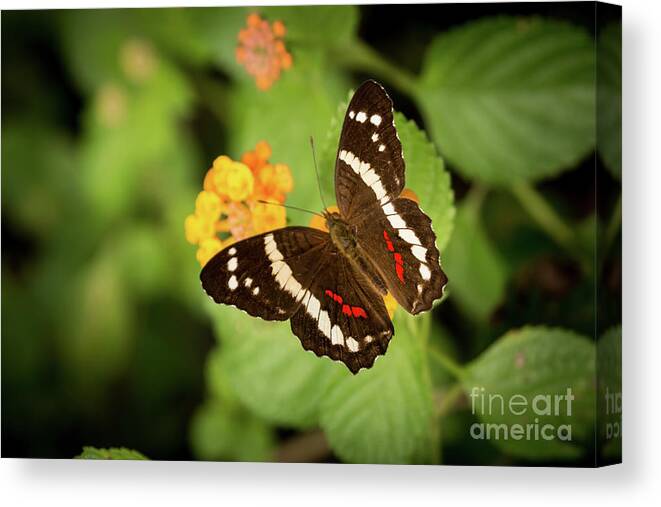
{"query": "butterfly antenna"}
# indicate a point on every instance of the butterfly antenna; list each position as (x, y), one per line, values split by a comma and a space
(290, 207)
(316, 170)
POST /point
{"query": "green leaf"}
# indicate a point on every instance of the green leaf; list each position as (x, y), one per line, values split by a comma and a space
(268, 369)
(385, 414)
(536, 362)
(477, 274)
(222, 427)
(110, 453)
(425, 171)
(427, 177)
(229, 435)
(510, 99)
(609, 97)
(318, 24)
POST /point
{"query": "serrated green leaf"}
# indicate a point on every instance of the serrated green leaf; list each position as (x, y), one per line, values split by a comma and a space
(385, 414)
(609, 97)
(427, 177)
(110, 453)
(510, 99)
(531, 362)
(476, 272)
(269, 370)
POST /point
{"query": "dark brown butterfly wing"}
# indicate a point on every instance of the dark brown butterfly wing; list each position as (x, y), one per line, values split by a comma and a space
(296, 273)
(369, 168)
(344, 317)
(401, 244)
(266, 275)
(394, 234)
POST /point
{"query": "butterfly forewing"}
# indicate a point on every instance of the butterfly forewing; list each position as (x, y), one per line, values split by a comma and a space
(369, 177)
(369, 168)
(266, 275)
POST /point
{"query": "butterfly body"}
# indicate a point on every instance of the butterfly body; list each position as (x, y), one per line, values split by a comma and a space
(331, 284)
(343, 235)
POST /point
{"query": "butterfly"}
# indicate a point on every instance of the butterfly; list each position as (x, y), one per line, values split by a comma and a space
(330, 285)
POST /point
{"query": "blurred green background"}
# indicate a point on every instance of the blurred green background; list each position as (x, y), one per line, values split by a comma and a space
(110, 119)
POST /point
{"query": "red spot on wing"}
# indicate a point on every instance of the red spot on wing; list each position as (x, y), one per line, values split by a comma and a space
(399, 262)
(358, 312)
(350, 311)
(400, 271)
(391, 248)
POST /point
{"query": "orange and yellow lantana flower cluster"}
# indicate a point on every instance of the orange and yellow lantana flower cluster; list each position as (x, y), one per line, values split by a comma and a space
(228, 209)
(262, 51)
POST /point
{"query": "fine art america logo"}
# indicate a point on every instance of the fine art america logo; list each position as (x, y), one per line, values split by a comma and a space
(536, 416)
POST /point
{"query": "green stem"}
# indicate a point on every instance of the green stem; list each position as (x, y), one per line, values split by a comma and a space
(475, 198)
(547, 218)
(448, 400)
(360, 56)
(450, 365)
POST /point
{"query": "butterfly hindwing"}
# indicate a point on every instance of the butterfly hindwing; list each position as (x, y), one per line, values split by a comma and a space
(266, 275)
(400, 242)
(297, 273)
(369, 167)
(344, 316)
